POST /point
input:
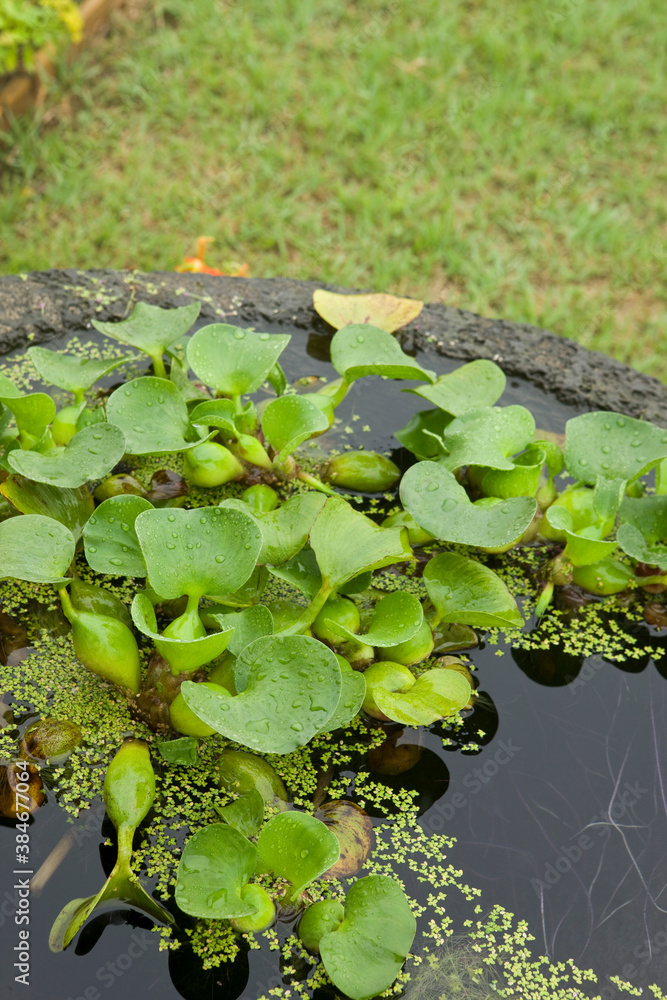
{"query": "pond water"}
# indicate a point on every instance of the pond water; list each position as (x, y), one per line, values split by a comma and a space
(560, 815)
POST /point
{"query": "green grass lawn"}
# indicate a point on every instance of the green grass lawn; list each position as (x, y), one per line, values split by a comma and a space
(507, 158)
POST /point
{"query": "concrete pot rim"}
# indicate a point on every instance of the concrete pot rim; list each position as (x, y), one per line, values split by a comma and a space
(44, 305)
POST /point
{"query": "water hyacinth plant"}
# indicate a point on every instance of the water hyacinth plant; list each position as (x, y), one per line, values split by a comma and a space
(253, 611)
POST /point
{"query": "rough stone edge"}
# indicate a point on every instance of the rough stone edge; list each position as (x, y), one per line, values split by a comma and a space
(43, 305)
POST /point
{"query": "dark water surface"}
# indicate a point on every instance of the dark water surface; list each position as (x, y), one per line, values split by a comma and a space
(561, 816)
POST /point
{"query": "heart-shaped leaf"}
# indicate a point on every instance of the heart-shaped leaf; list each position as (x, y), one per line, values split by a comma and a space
(468, 593)
(488, 436)
(71, 507)
(249, 624)
(436, 694)
(232, 360)
(216, 413)
(612, 445)
(110, 539)
(33, 413)
(68, 371)
(360, 350)
(209, 551)
(285, 529)
(396, 618)
(183, 655)
(387, 312)
(441, 506)
(288, 688)
(90, 454)
(648, 513)
(35, 548)
(365, 953)
(479, 383)
(633, 543)
(289, 420)
(151, 329)
(367, 546)
(301, 571)
(152, 415)
(297, 847)
(423, 433)
(352, 694)
(215, 866)
(245, 814)
(584, 547)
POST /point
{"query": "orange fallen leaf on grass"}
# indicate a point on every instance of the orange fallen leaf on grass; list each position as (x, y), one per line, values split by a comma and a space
(198, 263)
(388, 312)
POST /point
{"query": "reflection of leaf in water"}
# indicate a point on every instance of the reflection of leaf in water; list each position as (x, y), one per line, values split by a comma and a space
(453, 971)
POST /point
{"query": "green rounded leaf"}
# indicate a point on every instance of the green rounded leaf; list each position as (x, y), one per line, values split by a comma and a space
(68, 371)
(479, 383)
(152, 415)
(423, 433)
(297, 847)
(289, 420)
(218, 413)
(358, 350)
(232, 360)
(301, 571)
(488, 436)
(441, 506)
(436, 694)
(469, 593)
(248, 624)
(364, 955)
(520, 481)
(35, 548)
(245, 814)
(288, 688)
(183, 655)
(284, 530)
(216, 863)
(612, 445)
(631, 540)
(366, 546)
(90, 454)
(582, 547)
(151, 329)
(209, 551)
(648, 513)
(396, 618)
(110, 539)
(352, 694)
(71, 507)
(33, 413)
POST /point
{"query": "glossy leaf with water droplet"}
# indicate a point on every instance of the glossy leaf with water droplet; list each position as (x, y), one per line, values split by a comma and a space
(90, 454)
(469, 593)
(440, 505)
(149, 328)
(35, 548)
(234, 361)
(631, 540)
(33, 412)
(289, 420)
(297, 847)
(396, 618)
(69, 371)
(215, 413)
(366, 546)
(110, 538)
(285, 529)
(301, 571)
(435, 694)
(70, 507)
(488, 436)
(216, 864)
(365, 953)
(248, 624)
(352, 694)
(209, 551)
(182, 655)
(359, 350)
(612, 445)
(479, 383)
(387, 312)
(288, 688)
(152, 415)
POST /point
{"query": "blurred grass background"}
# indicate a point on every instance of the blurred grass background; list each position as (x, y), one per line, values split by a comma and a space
(507, 158)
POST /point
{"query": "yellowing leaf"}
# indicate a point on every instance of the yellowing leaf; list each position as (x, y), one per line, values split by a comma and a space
(388, 312)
